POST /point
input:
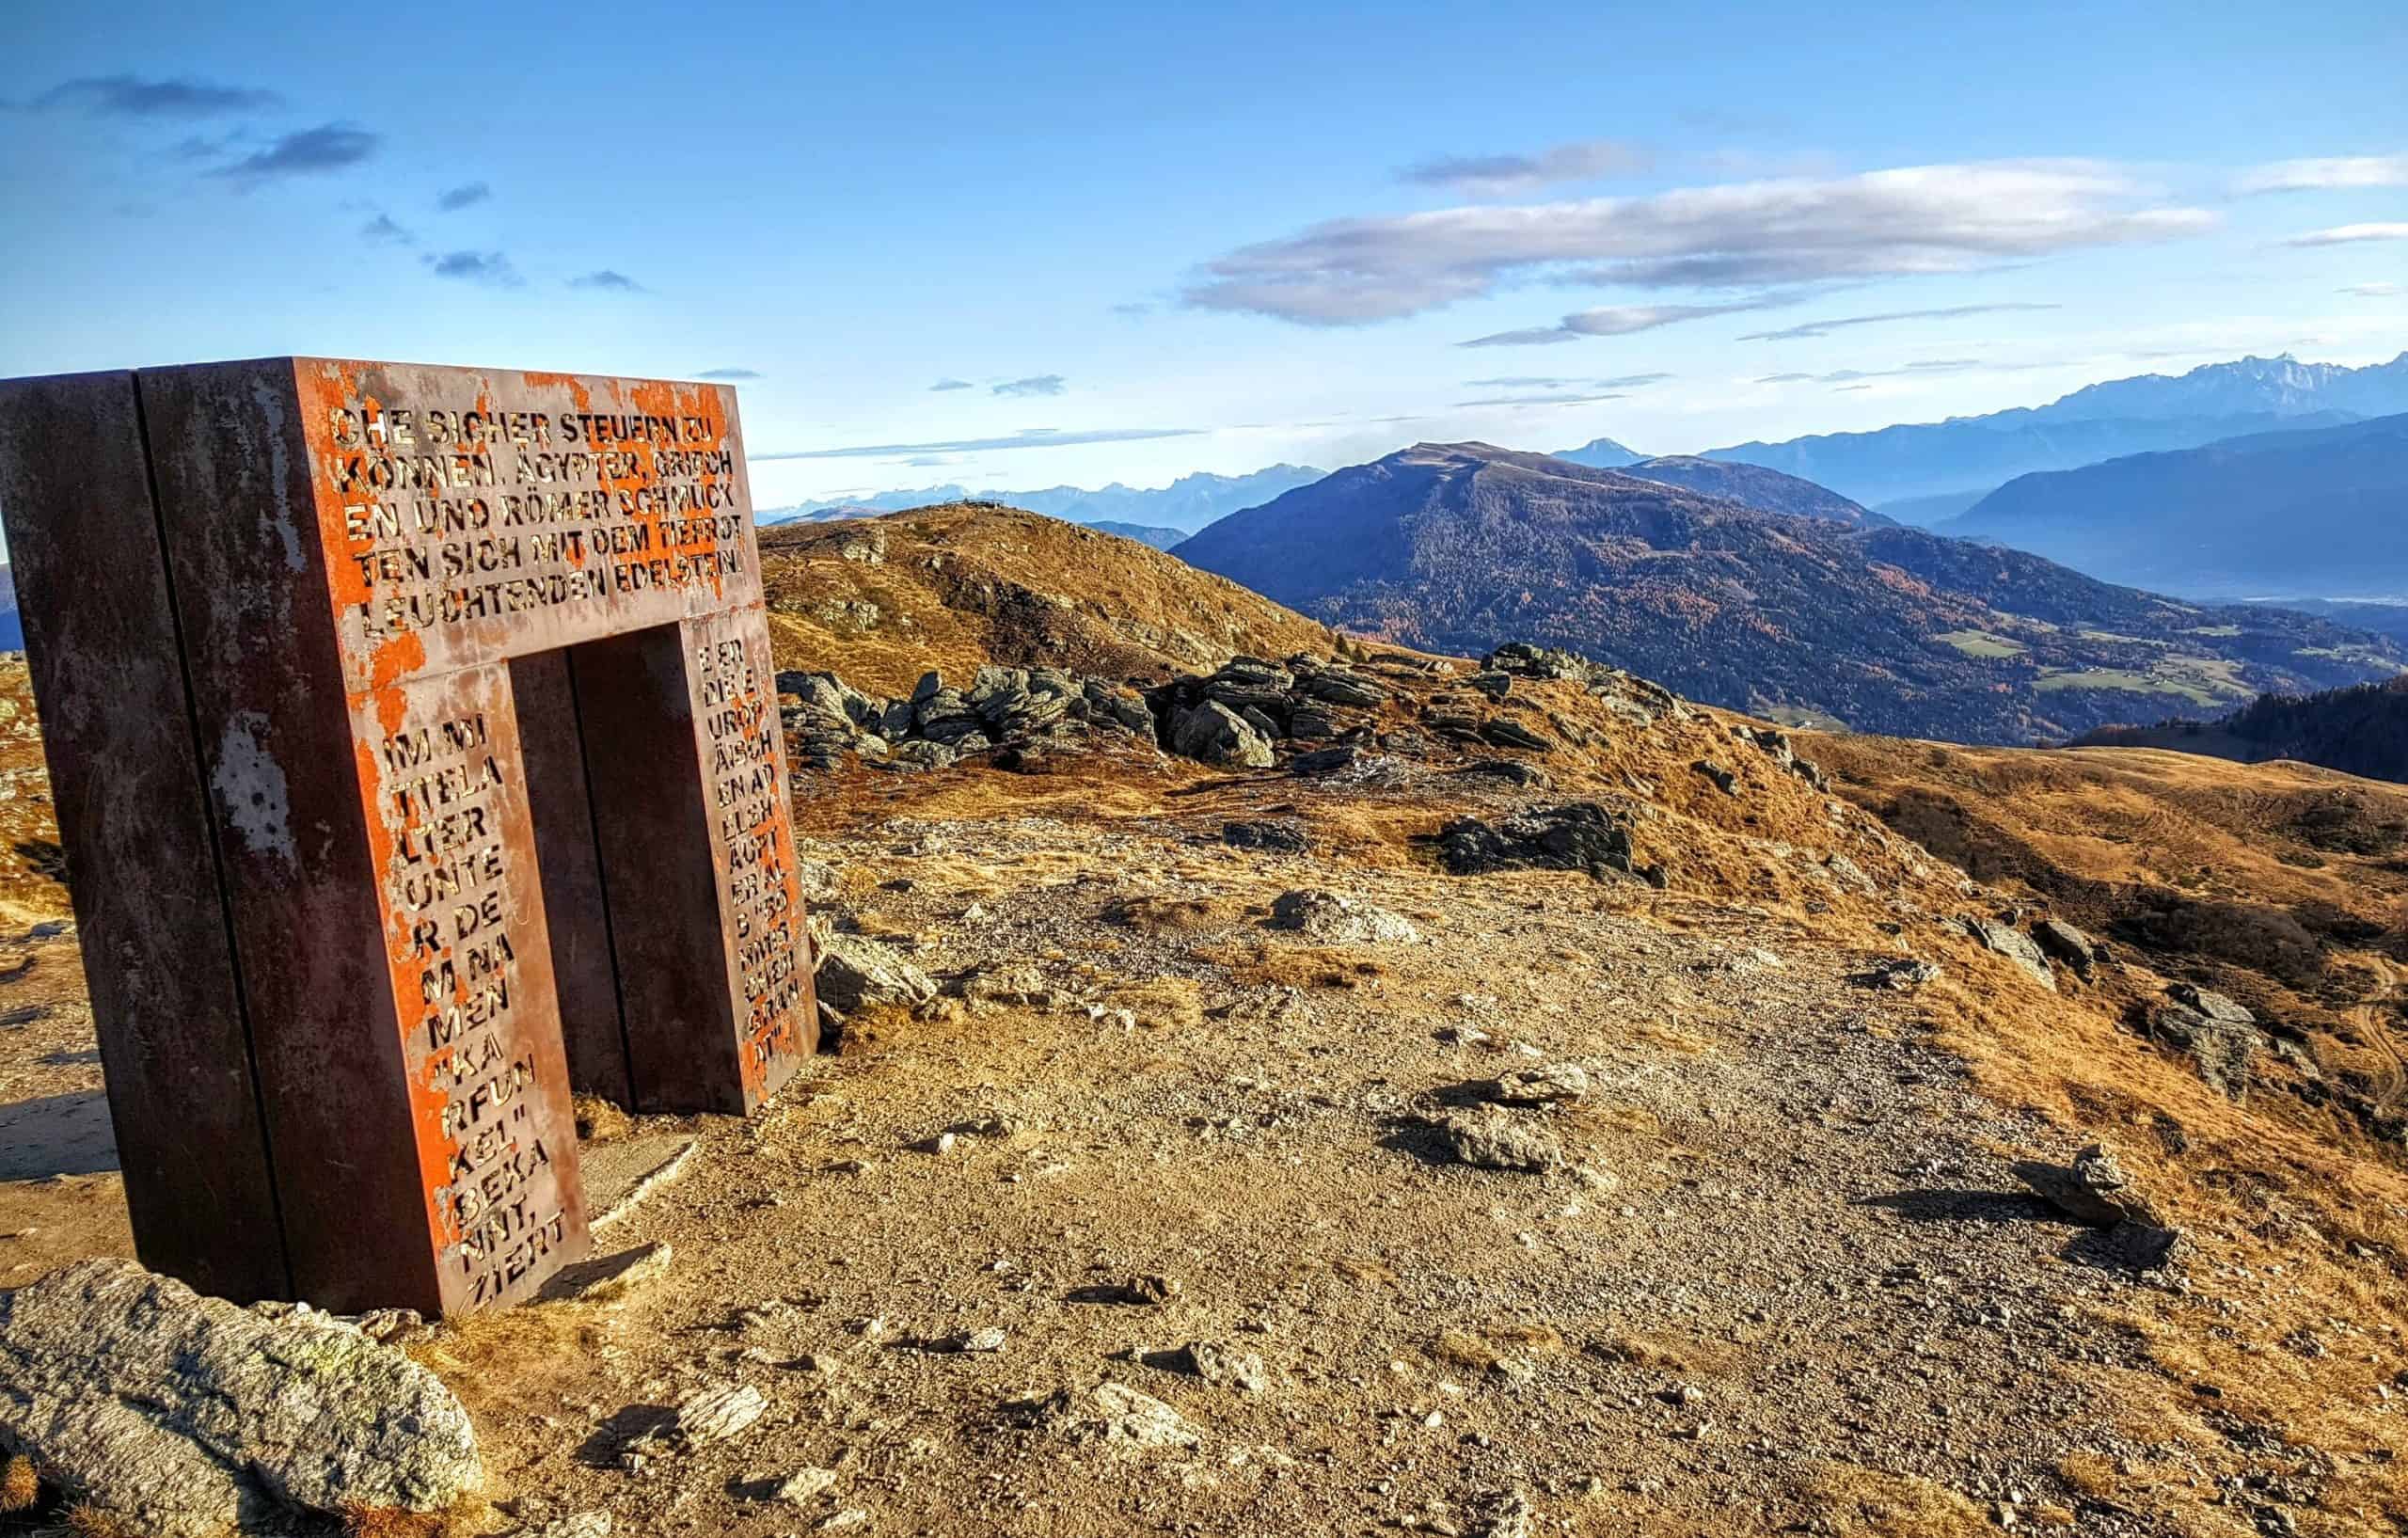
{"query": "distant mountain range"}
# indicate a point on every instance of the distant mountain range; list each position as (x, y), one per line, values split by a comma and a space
(1461, 546)
(1187, 503)
(2317, 510)
(1912, 462)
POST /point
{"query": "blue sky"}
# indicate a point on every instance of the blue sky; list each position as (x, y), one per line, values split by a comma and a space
(1215, 237)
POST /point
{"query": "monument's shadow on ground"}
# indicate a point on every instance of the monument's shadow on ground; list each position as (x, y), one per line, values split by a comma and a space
(56, 1134)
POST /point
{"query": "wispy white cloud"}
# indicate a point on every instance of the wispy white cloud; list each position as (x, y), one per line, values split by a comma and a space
(729, 373)
(1036, 383)
(1541, 400)
(1923, 368)
(2332, 174)
(1524, 381)
(2347, 234)
(491, 268)
(607, 280)
(1035, 438)
(310, 151)
(132, 96)
(943, 385)
(2376, 291)
(1507, 176)
(1892, 223)
(1617, 321)
(1824, 328)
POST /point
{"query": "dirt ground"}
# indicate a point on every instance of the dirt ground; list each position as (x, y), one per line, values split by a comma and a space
(1785, 1276)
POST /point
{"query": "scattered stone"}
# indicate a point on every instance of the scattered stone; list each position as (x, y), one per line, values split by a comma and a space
(1848, 874)
(1222, 1366)
(855, 971)
(2216, 1006)
(802, 1486)
(714, 1415)
(1724, 780)
(1498, 1141)
(2016, 946)
(2068, 945)
(1539, 1086)
(1325, 760)
(1279, 837)
(976, 1343)
(1507, 1515)
(1111, 1414)
(1332, 919)
(2093, 1189)
(1150, 1290)
(846, 1521)
(576, 1525)
(1338, 686)
(184, 1415)
(1899, 974)
(1490, 682)
(1508, 733)
(1512, 770)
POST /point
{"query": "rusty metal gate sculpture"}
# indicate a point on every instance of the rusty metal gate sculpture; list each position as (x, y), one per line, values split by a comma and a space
(415, 743)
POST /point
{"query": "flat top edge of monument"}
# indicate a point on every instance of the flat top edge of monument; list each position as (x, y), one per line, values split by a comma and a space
(298, 359)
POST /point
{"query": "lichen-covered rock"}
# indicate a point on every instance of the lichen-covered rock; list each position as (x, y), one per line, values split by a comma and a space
(855, 971)
(1217, 734)
(1581, 836)
(185, 1416)
(714, 1415)
(1501, 1142)
(2016, 946)
(1326, 916)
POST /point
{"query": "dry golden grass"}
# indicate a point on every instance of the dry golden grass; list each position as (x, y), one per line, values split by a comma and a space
(959, 585)
(20, 1484)
(1159, 1002)
(1257, 964)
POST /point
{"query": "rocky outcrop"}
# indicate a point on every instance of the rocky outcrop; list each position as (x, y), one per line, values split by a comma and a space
(1582, 837)
(186, 1416)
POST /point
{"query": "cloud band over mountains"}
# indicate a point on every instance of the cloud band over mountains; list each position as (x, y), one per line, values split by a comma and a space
(1905, 222)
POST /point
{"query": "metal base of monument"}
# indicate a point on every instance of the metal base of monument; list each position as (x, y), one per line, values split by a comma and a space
(416, 752)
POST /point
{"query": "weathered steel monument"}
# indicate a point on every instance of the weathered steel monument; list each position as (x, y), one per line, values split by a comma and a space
(415, 743)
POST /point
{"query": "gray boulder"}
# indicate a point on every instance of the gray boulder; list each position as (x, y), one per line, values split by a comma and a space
(186, 1416)
(1217, 734)
(2016, 946)
(2068, 945)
